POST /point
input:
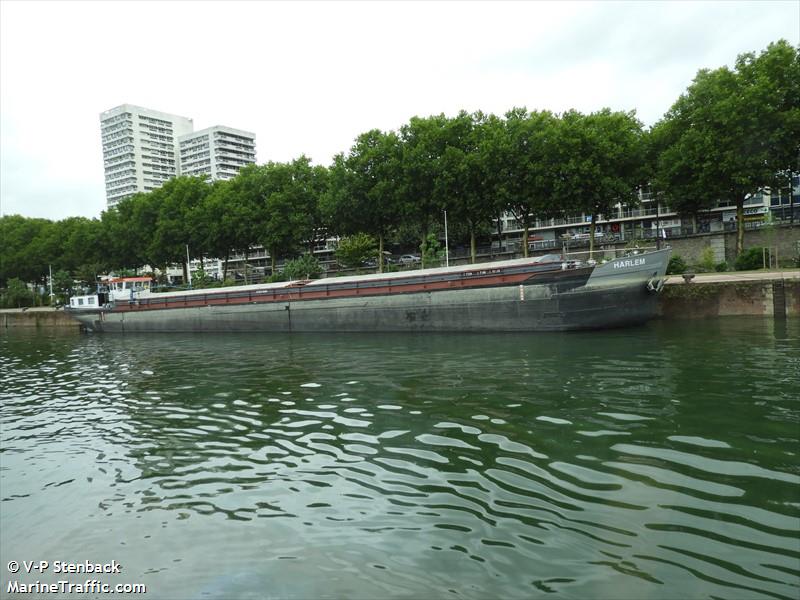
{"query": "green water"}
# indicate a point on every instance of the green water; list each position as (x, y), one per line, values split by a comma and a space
(654, 462)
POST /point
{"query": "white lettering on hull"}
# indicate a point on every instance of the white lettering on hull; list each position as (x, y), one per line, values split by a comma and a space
(635, 262)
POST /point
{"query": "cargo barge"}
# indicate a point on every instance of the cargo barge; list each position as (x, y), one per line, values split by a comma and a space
(546, 293)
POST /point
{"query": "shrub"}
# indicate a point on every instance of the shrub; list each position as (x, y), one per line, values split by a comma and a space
(16, 294)
(721, 267)
(706, 262)
(354, 250)
(201, 279)
(676, 265)
(305, 267)
(432, 251)
(751, 259)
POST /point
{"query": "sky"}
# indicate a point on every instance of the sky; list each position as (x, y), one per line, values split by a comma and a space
(309, 77)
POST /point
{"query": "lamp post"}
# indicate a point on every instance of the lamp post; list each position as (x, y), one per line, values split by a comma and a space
(446, 247)
(188, 267)
(51, 285)
(658, 225)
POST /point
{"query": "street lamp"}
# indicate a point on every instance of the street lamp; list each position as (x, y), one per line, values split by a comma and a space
(446, 248)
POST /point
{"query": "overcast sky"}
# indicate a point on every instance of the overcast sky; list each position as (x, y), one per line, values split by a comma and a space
(308, 77)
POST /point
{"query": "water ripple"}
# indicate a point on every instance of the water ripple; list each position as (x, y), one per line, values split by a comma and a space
(487, 466)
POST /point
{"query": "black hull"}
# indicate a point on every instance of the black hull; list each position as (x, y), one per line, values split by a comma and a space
(615, 294)
(429, 311)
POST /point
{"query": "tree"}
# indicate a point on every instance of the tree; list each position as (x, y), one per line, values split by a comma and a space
(304, 267)
(212, 223)
(732, 132)
(237, 206)
(354, 250)
(464, 182)
(127, 229)
(601, 161)
(177, 200)
(280, 201)
(17, 294)
(79, 243)
(521, 151)
(423, 145)
(364, 191)
(432, 252)
(288, 200)
(62, 285)
(22, 250)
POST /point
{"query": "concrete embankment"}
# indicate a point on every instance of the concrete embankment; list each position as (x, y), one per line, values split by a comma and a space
(765, 294)
(37, 318)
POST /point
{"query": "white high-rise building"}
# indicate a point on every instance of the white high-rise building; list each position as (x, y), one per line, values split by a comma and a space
(140, 149)
(218, 152)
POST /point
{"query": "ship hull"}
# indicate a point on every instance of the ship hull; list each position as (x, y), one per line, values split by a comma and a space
(603, 297)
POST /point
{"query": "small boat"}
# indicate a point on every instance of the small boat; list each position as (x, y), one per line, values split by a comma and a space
(545, 293)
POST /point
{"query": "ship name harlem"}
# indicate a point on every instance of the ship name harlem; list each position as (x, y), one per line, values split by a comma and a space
(635, 262)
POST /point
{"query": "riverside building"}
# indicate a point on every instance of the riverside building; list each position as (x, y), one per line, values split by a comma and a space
(143, 148)
(218, 152)
(140, 150)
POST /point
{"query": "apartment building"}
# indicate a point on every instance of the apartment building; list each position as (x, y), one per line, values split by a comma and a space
(140, 150)
(651, 219)
(143, 148)
(218, 152)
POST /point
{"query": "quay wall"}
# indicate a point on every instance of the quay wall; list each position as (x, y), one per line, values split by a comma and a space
(784, 238)
(777, 298)
(37, 318)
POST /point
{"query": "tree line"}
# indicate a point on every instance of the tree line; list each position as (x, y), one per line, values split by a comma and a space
(732, 133)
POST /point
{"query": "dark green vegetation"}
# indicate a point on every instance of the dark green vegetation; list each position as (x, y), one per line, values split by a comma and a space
(732, 133)
(752, 259)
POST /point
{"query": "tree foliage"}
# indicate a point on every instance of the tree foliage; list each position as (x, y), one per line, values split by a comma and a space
(354, 250)
(304, 267)
(364, 191)
(731, 133)
(601, 159)
(522, 151)
(734, 132)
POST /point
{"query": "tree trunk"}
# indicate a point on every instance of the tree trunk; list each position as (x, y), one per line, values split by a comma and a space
(244, 267)
(422, 249)
(591, 236)
(473, 248)
(273, 262)
(500, 232)
(225, 265)
(380, 253)
(185, 272)
(740, 225)
(525, 226)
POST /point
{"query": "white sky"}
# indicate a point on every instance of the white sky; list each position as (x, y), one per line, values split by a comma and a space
(308, 77)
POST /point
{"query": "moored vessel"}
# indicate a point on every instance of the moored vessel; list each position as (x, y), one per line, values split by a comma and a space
(545, 293)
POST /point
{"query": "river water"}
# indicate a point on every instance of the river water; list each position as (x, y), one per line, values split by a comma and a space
(653, 462)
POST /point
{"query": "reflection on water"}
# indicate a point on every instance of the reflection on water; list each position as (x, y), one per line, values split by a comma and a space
(658, 462)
